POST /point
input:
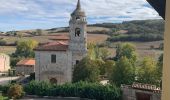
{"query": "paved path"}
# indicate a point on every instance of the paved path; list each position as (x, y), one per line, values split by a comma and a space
(6, 80)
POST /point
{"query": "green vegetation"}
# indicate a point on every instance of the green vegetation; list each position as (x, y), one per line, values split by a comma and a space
(80, 89)
(123, 72)
(86, 70)
(147, 72)
(135, 37)
(139, 30)
(15, 91)
(24, 49)
(4, 98)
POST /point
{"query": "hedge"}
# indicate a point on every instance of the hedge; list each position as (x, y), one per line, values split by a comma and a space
(80, 89)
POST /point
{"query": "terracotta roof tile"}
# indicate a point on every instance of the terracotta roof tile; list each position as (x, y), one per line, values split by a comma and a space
(53, 46)
(28, 62)
(60, 37)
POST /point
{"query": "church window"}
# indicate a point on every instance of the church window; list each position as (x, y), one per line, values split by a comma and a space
(77, 32)
(53, 58)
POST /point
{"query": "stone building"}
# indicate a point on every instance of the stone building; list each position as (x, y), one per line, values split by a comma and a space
(4, 62)
(55, 61)
(139, 91)
(25, 67)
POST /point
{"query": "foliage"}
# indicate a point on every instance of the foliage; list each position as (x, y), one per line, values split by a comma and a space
(80, 89)
(160, 66)
(4, 88)
(161, 46)
(25, 48)
(147, 72)
(15, 91)
(4, 98)
(123, 72)
(109, 65)
(136, 26)
(127, 50)
(136, 37)
(14, 61)
(86, 70)
(94, 52)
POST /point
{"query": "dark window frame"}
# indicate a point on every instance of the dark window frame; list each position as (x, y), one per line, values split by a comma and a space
(53, 58)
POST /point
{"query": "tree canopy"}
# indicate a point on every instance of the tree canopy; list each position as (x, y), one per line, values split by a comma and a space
(86, 70)
(123, 72)
(25, 48)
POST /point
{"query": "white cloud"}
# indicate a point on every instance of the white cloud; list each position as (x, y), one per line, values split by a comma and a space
(51, 11)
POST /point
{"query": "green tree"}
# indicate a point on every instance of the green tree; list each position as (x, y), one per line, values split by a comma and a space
(123, 72)
(147, 72)
(127, 50)
(25, 48)
(160, 66)
(94, 52)
(108, 67)
(86, 70)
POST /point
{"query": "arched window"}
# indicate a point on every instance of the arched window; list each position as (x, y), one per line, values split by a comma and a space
(77, 32)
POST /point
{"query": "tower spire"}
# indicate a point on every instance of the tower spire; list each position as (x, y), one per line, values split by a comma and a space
(78, 5)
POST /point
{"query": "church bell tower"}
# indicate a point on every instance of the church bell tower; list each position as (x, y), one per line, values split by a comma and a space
(78, 34)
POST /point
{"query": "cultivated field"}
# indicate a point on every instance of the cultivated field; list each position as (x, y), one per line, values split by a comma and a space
(143, 48)
(7, 49)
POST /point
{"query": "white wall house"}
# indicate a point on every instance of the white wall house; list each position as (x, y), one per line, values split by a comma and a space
(4, 62)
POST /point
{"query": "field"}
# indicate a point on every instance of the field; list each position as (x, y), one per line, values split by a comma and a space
(7, 49)
(143, 48)
(92, 38)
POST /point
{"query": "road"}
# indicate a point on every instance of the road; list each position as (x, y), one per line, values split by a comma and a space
(6, 80)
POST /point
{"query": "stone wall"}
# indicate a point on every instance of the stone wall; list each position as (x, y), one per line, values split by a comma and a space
(25, 70)
(61, 70)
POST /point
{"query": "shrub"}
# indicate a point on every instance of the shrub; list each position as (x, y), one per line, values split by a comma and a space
(80, 89)
(15, 91)
(4, 89)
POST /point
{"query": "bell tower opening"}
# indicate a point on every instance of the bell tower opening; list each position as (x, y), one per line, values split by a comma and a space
(77, 32)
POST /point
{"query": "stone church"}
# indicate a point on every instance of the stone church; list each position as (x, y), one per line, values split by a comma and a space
(54, 61)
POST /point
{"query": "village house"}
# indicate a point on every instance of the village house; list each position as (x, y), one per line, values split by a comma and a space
(139, 91)
(25, 67)
(55, 61)
(4, 62)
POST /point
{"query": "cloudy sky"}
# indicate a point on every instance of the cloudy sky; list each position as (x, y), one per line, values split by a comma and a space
(32, 14)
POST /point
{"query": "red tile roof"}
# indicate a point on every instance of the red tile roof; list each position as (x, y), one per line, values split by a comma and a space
(53, 46)
(60, 37)
(26, 62)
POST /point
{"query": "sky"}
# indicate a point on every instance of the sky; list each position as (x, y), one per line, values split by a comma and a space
(44, 14)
